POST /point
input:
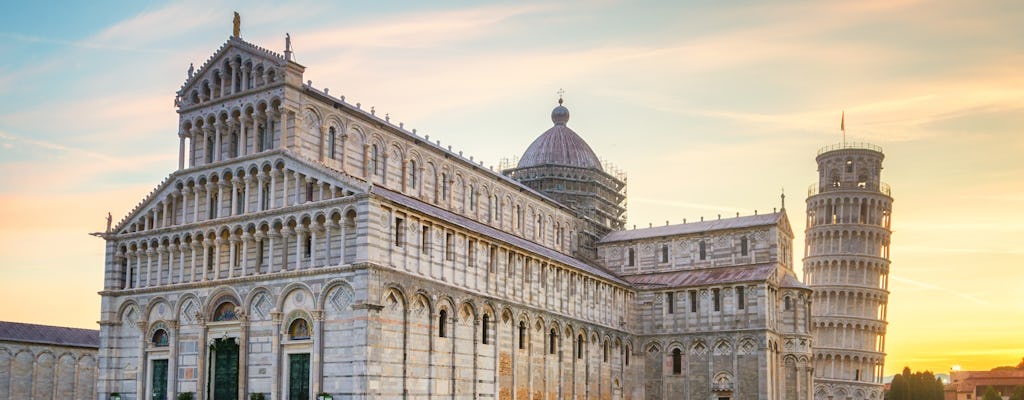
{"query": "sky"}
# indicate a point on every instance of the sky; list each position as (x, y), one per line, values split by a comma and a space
(709, 107)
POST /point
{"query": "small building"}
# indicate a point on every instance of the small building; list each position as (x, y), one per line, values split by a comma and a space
(971, 385)
(47, 362)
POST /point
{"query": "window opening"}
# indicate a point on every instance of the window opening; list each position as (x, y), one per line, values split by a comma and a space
(703, 250)
(442, 318)
(399, 232)
(298, 330)
(632, 257)
(717, 295)
(552, 338)
(664, 253)
(522, 335)
(693, 301)
(740, 300)
(670, 300)
(484, 329)
(743, 246)
(677, 362)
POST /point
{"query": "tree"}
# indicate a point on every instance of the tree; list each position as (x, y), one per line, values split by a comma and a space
(991, 394)
(1018, 393)
(1021, 364)
(915, 386)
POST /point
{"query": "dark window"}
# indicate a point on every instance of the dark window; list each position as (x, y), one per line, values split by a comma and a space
(670, 301)
(374, 160)
(399, 231)
(627, 355)
(743, 246)
(442, 318)
(664, 253)
(449, 247)
(425, 240)
(213, 206)
(677, 362)
(632, 258)
(309, 191)
(552, 339)
(330, 143)
(579, 347)
(740, 300)
(717, 295)
(484, 326)
(693, 301)
(788, 303)
(606, 351)
(471, 253)
(849, 166)
(522, 335)
(703, 250)
(160, 338)
(308, 247)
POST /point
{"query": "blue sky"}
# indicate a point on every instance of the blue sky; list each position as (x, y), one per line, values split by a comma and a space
(711, 108)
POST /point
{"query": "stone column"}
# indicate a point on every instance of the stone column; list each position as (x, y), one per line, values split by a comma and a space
(181, 150)
(248, 185)
(218, 244)
(343, 138)
(197, 190)
(309, 186)
(172, 358)
(221, 185)
(316, 366)
(149, 266)
(232, 258)
(243, 134)
(269, 132)
(202, 356)
(181, 263)
(300, 237)
(273, 188)
(143, 359)
(235, 185)
(160, 250)
(270, 250)
(246, 239)
(234, 77)
(232, 125)
(275, 361)
(243, 353)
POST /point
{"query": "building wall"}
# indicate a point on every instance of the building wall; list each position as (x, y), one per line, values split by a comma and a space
(40, 371)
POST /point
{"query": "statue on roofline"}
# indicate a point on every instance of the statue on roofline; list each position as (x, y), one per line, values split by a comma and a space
(237, 25)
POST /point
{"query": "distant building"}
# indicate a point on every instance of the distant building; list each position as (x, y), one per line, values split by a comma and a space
(47, 362)
(971, 385)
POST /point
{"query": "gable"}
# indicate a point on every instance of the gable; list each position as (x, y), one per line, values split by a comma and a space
(236, 63)
(152, 211)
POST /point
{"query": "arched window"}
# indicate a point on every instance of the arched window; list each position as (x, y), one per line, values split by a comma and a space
(444, 186)
(374, 160)
(552, 338)
(298, 330)
(442, 317)
(743, 245)
(225, 312)
(330, 142)
(579, 347)
(677, 362)
(703, 250)
(412, 174)
(522, 335)
(160, 338)
(632, 257)
(472, 198)
(664, 253)
(788, 303)
(849, 166)
(606, 348)
(626, 355)
(484, 329)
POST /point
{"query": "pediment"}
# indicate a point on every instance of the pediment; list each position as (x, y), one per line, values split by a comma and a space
(235, 53)
(784, 223)
(169, 192)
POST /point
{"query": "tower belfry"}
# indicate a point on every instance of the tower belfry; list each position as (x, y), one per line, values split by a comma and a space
(846, 263)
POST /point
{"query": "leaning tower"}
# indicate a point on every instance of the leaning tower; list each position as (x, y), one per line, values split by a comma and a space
(846, 263)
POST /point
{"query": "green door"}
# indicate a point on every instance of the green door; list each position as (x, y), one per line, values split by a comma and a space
(298, 376)
(159, 381)
(224, 384)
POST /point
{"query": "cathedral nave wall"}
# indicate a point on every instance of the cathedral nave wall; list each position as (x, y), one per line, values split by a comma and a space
(489, 347)
(716, 248)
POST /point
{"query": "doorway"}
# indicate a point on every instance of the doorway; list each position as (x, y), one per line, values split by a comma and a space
(224, 370)
(298, 376)
(158, 381)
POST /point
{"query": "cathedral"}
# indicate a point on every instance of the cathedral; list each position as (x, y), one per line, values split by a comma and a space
(307, 248)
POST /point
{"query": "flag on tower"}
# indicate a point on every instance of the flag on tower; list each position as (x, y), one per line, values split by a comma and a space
(842, 126)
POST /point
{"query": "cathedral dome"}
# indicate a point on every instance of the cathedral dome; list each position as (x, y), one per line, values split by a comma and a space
(560, 146)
